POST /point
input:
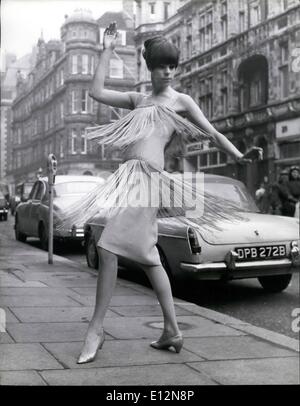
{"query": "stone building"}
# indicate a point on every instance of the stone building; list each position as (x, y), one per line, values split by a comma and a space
(239, 61)
(52, 107)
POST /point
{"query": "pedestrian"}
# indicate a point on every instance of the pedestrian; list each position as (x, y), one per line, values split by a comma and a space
(294, 187)
(286, 207)
(262, 196)
(142, 135)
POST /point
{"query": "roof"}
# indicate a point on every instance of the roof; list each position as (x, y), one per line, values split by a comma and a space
(118, 16)
(74, 178)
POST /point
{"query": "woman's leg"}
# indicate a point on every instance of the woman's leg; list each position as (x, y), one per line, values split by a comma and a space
(108, 269)
(161, 285)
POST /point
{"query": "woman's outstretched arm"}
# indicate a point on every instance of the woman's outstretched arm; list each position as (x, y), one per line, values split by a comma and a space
(126, 100)
(196, 116)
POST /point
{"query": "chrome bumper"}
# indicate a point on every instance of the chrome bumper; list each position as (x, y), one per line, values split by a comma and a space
(217, 270)
(238, 265)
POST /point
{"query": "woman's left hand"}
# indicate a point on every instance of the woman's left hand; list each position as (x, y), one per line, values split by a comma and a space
(253, 154)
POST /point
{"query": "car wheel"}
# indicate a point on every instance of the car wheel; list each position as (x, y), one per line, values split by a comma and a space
(5, 217)
(43, 237)
(275, 283)
(91, 253)
(19, 235)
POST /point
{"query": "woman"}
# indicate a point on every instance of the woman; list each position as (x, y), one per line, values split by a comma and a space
(142, 136)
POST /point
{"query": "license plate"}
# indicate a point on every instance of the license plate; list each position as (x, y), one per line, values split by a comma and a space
(262, 252)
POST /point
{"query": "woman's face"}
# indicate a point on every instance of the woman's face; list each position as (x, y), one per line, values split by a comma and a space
(162, 75)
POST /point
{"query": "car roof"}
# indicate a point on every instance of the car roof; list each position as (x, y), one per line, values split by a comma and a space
(74, 178)
(210, 177)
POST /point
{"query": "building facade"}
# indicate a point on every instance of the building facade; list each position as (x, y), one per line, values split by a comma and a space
(52, 108)
(239, 62)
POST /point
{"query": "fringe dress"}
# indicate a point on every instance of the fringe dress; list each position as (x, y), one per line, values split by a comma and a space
(133, 196)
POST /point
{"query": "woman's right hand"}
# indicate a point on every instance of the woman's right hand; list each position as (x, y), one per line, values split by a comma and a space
(110, 36)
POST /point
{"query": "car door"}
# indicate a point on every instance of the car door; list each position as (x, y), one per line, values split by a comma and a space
(35, 208)
(24, 211)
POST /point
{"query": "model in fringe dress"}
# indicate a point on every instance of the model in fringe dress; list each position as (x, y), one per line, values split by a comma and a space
(141, 136)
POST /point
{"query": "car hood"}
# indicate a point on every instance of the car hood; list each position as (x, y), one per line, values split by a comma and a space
(257, 228)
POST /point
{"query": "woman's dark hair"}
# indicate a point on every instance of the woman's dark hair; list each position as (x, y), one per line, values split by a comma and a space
(159, 51)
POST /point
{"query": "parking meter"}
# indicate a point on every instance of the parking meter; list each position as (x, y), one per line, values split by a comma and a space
(51, 167)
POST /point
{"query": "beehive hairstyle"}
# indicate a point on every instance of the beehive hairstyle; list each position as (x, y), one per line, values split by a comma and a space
(159, 51)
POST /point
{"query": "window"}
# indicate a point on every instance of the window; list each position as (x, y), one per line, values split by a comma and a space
(116, 69)
(74, 101)
(224, 7)
(189, 40)
(85, 61)
(224, 93)
(284, 52)
(74, 142)
(61, 76)
(61, 147)
(83, 142)
(255, 17)
(46, 122)
(121, 40)
(166, 10)
(92, 67)
(84, 101)
(205, 99)
(284, 80)
(61, 110)
(224, 28)
(152, 8)
(74, 69)
(241, 21)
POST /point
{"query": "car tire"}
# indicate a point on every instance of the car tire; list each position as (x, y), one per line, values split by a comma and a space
(43, 237)
(19, 235)
(91, 253)
(5, 217)
(275, 283)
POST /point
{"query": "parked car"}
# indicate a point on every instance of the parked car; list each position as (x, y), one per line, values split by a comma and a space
(265, 247)
(32, 216)
(22, 194)
(3, 206)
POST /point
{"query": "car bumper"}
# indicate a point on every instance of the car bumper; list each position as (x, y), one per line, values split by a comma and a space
(249, 269)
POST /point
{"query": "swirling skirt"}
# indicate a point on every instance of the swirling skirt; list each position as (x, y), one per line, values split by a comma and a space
(134, 196)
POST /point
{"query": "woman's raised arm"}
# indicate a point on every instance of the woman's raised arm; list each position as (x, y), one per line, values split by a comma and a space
(126, 100)
(195, 115)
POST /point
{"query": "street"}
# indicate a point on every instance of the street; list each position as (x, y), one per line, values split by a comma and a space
(243, 299)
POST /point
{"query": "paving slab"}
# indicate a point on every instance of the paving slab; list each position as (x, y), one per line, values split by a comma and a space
(56, 314)
(21, 378)
(132, 375)
(47, 332)
(120, 353)
(24, 301)
(5, 338)
(13, 282)
(267, 371)
(122, 300)
(147, 310)
(42, 291)
(9, 316)
(219, 348)
(150, 327)
(26, 356)
(118, 291)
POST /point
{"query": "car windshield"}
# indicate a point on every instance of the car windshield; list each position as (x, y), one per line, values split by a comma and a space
(237, 193)
(73, 188)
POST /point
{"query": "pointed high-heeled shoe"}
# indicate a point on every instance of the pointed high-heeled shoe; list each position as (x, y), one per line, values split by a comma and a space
(176, 342)
(83, 359)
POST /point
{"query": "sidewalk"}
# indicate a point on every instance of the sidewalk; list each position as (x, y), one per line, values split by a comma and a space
(48, 307)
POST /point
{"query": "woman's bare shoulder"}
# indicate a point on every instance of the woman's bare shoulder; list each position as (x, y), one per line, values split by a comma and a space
(136, 97)
(183, 102)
